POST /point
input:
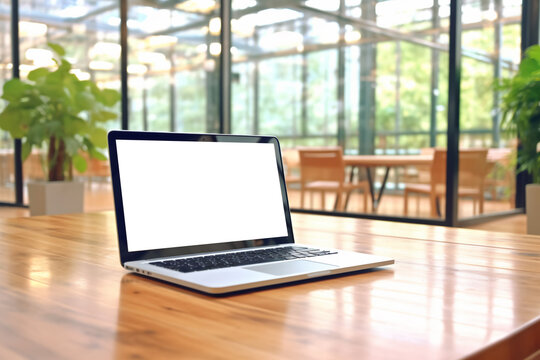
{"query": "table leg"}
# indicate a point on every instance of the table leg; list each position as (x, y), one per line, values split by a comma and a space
(375, 201)
(351, 179)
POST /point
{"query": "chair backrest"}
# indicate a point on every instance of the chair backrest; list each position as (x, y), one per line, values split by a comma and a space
(472, 167)
(438, 168)
(291, 160)
(321, 165)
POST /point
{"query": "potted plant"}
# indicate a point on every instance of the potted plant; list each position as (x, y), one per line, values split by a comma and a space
(521, 117)
(55, 111)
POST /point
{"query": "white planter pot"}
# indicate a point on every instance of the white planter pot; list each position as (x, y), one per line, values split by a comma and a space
(532, 202)
(55, 197)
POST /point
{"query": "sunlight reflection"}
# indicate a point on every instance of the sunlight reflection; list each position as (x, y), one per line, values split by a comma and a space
(39, 274)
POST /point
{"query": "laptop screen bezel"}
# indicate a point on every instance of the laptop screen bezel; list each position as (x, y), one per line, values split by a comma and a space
(127, 256)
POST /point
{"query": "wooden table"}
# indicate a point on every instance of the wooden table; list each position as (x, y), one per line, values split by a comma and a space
(450, 293)
(386, 161)
(494, 155)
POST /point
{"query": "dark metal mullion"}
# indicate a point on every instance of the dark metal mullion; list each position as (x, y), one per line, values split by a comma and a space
(17, 144)
(497, 73)
(341, 82)
(144, 104)
(256, 89)
(172, 91)
(225, 69)
(305, 93)
(397, 115)
(452, 159)
(124, 63)
(434, 94)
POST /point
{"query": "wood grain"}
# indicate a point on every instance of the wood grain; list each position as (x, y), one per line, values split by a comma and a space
(452, 293)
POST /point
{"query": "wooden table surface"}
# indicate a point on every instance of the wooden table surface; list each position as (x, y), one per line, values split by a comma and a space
(387, 160)
(450, 293)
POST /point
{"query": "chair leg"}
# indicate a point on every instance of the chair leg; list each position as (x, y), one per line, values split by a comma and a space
(323, 200)
(302, 196)
(405, 202)
(433, 205)
(366, 192)
(481, 203)
(339, 201)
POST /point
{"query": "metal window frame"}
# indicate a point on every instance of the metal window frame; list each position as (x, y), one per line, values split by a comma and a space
(530, 35)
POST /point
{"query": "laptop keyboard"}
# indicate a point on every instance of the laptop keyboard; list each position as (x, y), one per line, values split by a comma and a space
(241, 258)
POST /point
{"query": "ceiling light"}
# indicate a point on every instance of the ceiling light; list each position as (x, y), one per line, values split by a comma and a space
(100, 65)
(242, 27)
(161, 40)
(214, 26)
(38, 54)
(162, 66)
(32, 29)
(81, 75)
(282, 40)
(352, 36)
(148, 57)
(137, 69)
(215, 49)
(204, 6)
(105, 49)
(44, 62)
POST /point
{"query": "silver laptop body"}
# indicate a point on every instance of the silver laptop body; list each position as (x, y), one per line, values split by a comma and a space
(186, 204)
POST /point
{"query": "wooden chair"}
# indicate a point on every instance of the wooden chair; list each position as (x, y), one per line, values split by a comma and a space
(323, 170)
(291, 161)
(472, 173)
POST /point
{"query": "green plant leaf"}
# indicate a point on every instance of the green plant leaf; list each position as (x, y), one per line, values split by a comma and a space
(97, 155)
(38, 73)
(12, 121)
(109, 97)
(103, 116)
(36, 134)
(533, 52)
(79, 163)
(14, 89)
(72, 146)
(57, 49)
(75, 125)
(26, 149)
(84, 101)
(527, 67)
(99, 137)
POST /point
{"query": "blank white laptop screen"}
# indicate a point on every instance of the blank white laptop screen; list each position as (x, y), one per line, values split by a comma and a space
(182, 193)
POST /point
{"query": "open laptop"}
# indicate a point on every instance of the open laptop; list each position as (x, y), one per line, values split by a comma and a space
(210, 212)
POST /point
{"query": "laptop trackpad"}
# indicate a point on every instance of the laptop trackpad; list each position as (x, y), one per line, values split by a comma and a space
(291, 267)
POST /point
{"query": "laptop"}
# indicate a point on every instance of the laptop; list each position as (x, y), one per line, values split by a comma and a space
(210, 212)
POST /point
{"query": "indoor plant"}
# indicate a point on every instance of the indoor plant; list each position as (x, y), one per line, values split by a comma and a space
(61, 114)
(521, 117)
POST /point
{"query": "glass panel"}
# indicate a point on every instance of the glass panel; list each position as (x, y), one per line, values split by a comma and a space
(491, 50)
(7, 178)
(89, 32)
(367, 76)
(174, 66)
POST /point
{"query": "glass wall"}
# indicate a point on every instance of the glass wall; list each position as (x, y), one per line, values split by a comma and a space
(367, 77)
(371, 77)
(173, 66)
(491, 48)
